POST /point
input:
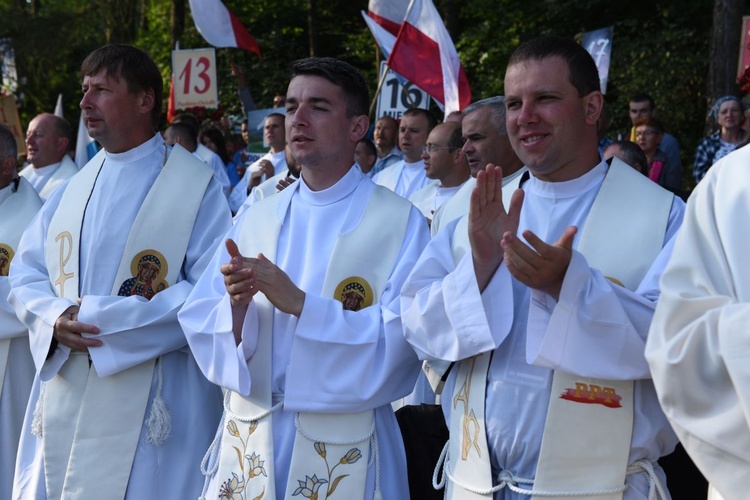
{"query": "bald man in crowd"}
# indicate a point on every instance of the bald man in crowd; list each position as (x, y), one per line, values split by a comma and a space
(47, 141)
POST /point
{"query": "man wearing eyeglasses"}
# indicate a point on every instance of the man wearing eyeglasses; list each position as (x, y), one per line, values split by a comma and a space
(444, 162)
(406, 177)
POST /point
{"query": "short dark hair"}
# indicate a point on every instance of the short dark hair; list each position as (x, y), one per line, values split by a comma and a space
(582, 72)
(369, 145)
(131, 64)
(190, 120)
(650, 122)
(274, 115)
(456, 139)
(633, 155)
(8, 144)
(341, 74)
(641, 97)
(496, 105)
(431, 120)
(186, 133)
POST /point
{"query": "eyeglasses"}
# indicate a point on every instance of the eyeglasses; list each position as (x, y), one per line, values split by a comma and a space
(646, 133)
(431, 148)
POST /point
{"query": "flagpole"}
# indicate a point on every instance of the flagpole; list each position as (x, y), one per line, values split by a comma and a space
(405, 90)
(377, 91)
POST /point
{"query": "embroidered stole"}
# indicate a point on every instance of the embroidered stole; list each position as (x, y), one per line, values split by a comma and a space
(468, 456)
(587, 434)
(79, 459)
(17, 211)
(362, 261)
(585, 446)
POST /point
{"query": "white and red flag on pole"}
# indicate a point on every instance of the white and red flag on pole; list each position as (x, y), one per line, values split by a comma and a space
(220, 27)
(388, 13)
(383, 37)
(425, 55)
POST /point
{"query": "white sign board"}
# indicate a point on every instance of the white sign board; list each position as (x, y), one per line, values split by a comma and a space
(195, 82)
(395, 97)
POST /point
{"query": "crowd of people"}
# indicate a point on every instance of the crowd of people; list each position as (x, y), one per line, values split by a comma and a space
(459, 309)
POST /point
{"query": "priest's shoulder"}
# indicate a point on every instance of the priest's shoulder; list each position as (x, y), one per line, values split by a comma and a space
(386, 195)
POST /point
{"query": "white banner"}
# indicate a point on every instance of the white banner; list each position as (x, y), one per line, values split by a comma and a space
(195, 82)
(396, 97)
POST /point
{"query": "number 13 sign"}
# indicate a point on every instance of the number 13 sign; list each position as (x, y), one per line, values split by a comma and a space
(195, 78)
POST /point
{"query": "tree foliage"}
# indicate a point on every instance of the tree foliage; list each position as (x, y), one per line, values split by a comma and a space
(660, 47)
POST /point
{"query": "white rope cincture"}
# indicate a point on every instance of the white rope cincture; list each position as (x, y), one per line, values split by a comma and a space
(247, 420)
(210, 462)
(655, 488)
(36, 422)
(312, 438)
(376, 458)
(507, 479)
(159, 421)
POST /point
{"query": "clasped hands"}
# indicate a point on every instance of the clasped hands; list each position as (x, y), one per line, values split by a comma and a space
(246, 276)
(493, 236)
(67, 330)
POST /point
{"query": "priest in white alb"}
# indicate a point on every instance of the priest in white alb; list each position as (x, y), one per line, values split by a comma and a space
(485, 141)
(549, 395)
(406, 177)
(19, 203)
(119, 408)
(445, 164)
(699, 338)
(47, 140)
(298, 317)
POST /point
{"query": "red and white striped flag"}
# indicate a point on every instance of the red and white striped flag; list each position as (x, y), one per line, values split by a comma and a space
(425, 55)
(220, 27)
(388, 13)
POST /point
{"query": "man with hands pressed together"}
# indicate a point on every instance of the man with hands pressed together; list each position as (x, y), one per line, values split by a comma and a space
(298, 316)
(119, 408)
(545, 312)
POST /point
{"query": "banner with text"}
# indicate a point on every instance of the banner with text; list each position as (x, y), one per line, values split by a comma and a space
(195, 83)
(599, 44)
(397, 95)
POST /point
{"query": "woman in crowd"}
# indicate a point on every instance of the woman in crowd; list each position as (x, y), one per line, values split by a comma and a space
(648, 135)
(729, 113)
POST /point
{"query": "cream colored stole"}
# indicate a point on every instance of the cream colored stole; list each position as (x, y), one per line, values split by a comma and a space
(15, 214)
(469, 457)
(435, 370)
(91, 425)
(622, 236)
(587, 434)
(362, 262)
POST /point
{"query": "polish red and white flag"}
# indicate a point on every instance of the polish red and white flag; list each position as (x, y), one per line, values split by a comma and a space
(220, 27)
(425, 55)
(388, 13)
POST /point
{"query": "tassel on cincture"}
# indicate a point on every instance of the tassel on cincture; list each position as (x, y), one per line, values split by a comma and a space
(159, 421)
(36, 422)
